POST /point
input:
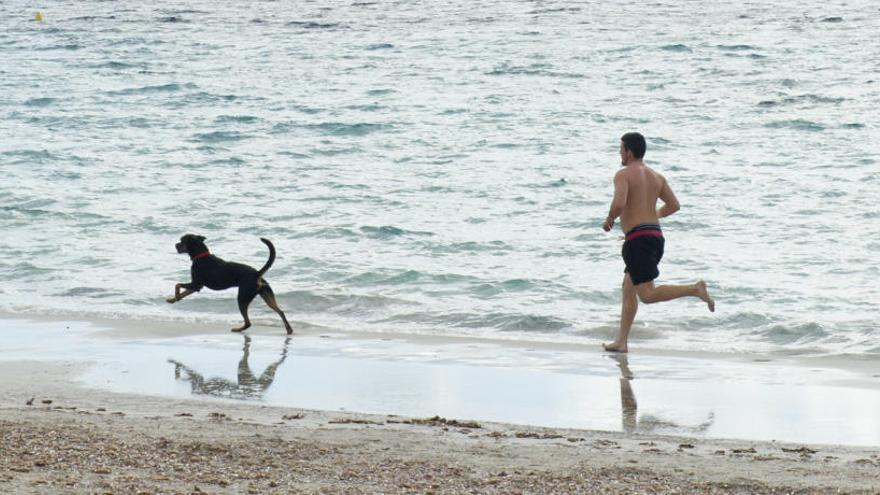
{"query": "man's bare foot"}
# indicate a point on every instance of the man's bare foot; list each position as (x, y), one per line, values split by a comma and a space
(703, 294)
(241, 328)
(615, 347)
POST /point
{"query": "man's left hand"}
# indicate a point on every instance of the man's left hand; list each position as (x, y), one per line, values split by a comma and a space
(609, 223)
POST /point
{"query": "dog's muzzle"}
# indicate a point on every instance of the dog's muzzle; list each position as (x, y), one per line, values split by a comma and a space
(181, 247)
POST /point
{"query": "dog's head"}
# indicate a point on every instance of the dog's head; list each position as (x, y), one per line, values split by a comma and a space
(191, 244)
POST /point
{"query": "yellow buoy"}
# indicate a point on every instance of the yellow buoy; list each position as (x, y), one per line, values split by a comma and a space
(38, 17)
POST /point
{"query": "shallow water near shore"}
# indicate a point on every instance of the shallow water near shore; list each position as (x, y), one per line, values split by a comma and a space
(469, 380)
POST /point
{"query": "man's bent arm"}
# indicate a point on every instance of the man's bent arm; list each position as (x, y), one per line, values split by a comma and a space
(621, 190)
(670, 202)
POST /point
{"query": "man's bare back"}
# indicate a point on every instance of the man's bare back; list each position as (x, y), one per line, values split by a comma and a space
(644, 187)
(636, 190)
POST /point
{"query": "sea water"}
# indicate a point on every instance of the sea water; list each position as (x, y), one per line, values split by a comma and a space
(443, 168)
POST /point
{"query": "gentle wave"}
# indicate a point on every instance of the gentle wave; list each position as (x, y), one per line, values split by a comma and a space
(220, 136)
(558, 10)
(174, 19)
(389, 232)
(236, 119)
(736, 48)
(797, 124)
(502, 322)
(378, 279)
(118, 65)
(162, 88)
(677, 48)
(314, 25)
(532, 70)
(30, 155)
(803, 99)
(40, 102)
(341, 129)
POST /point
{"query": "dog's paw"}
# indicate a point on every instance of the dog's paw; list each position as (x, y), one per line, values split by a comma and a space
(171, 300)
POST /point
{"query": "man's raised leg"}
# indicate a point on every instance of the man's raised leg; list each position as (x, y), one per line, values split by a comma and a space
(649, 294)
(628, 309)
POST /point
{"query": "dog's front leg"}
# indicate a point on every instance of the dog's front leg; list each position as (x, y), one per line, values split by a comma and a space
(178, 295)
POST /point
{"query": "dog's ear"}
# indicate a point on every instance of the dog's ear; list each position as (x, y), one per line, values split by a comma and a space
(201, 238)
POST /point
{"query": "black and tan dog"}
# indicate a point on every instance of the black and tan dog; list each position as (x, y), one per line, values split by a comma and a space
(214, 273)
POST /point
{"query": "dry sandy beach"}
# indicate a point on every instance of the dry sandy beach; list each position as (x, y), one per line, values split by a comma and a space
(58, 435)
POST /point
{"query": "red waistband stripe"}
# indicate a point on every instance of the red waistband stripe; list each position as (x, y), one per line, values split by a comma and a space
(640, 233)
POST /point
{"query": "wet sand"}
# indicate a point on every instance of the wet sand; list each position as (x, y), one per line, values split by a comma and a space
(62, 434)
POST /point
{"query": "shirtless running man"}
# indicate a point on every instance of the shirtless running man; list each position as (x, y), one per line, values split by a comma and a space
(636, 190)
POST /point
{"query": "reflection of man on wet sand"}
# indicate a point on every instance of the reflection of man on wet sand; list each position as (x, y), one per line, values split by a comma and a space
(636, 190)
(648, 424)
(628, 406)
(248, 386)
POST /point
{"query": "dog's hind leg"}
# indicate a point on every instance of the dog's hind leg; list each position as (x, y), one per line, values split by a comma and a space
(269, 296)
(246, 294)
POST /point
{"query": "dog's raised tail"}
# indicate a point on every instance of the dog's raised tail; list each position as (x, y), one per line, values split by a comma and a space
(271, 256)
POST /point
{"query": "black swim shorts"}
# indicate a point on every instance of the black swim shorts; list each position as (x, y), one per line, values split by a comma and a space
(642, 252)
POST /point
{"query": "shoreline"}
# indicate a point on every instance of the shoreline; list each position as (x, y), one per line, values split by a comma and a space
(63, 433)
(864, 365)
(697, 395)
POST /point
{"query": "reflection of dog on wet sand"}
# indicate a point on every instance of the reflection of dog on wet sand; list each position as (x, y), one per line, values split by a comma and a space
(214, 273)
(248, 385)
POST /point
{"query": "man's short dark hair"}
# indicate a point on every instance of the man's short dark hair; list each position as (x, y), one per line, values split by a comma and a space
(635, 142)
